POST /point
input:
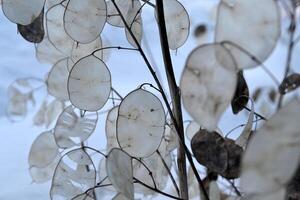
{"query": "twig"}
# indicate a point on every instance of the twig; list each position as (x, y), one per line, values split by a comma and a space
(149, 171)
(169, 172)
(188, 153)
(235, 188)
(117, 93)
(149, 3)
(292, 31)
(156, 190)
(115, 47)
(175, 96)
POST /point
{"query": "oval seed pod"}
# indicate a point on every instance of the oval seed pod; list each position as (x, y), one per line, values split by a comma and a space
(140, 123)
(22, 12)
(46, 52)
(89, 84)
(119, 172)
(207, 87)
(71, 129)
(43, 150)
(273, 154)
(74, 174)
(84, 20)
(56, 32)
(251, 26)
(33, 32)
(111, 129)
(57, 80)
(177, 23)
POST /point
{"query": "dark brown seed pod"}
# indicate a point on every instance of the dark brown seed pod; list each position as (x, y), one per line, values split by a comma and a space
(209, 150)
(219, 155)
(35, 31)
(241, 96)
(290, 83)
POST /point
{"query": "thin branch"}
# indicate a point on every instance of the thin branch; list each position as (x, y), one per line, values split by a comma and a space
(292, 30)
(169, 172)
(149, 171)
(97, 151)
(188, 153)
(182, 151)
(156, 190)
(239, 126)
(149, 3)
(114, 47)
(235, 188)
(117, 93)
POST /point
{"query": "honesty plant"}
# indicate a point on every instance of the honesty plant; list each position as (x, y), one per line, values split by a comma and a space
(144, 128)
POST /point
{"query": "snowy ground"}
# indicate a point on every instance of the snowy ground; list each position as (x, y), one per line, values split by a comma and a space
(17, 59)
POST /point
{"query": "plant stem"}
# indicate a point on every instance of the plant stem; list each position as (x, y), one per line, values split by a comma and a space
(156, 190)
(153, 73)
(169, 172)
(292, 31)
(175, 96)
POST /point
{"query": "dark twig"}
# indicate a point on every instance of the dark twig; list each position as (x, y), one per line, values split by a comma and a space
(292, 30)
(156, 190)
(153, 73)
(169, 172)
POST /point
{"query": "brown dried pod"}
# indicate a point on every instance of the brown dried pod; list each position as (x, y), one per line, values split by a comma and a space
(35, 31)
(209, 150)
(217, 154)
(290, 83)
(234, 159)
(241, 96)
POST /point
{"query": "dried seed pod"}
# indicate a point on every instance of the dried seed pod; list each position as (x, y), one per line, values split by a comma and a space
(273, 154)
(89, 84)
(245, 26)
(84, 20)
(241, 96)
(290, 83)
(71, 129)
(56, 32)
(57, 80)
(210, 150)
(177, 23)
(119, 172)
(111, 129)
(74, 174)
(235, 153)
(219, 155)
(22, 12)
(140, 124)
(43, 150)
(46, 52)
(33, 32)
(207, 87)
